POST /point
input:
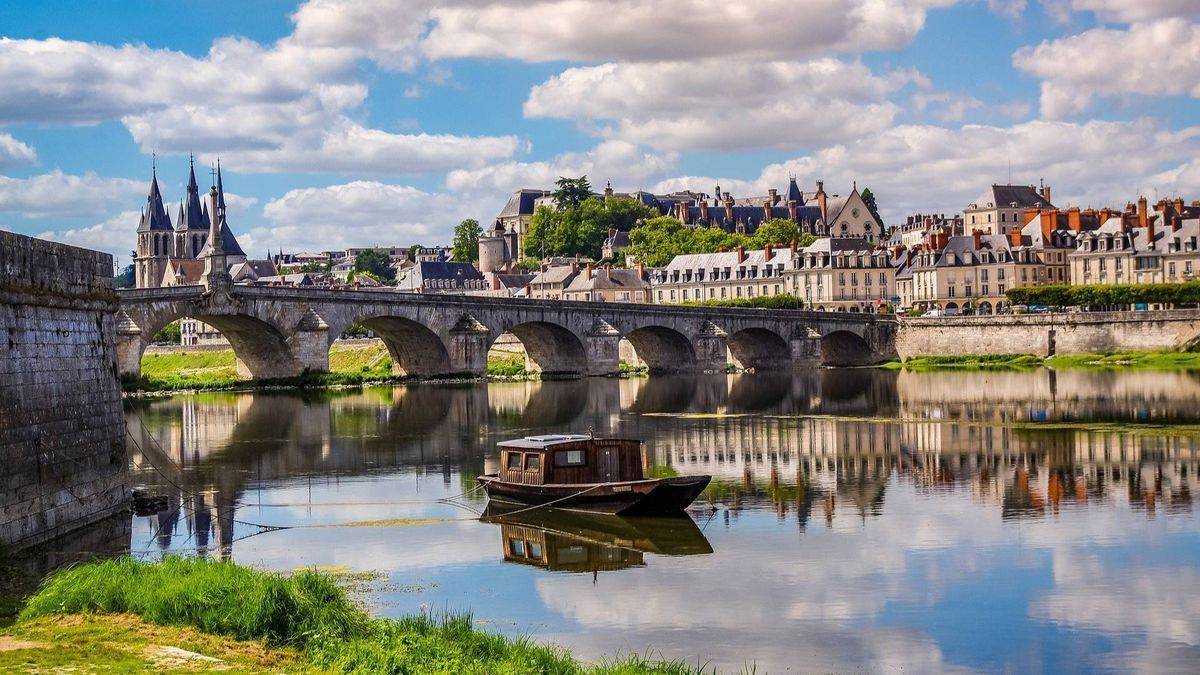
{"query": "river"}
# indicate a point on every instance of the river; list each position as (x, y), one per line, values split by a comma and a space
(858, 519)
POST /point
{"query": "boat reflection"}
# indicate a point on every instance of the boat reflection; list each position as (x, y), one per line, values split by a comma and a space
(573, 541)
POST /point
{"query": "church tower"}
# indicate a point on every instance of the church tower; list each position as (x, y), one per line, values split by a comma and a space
(191, 228)
(155, 239)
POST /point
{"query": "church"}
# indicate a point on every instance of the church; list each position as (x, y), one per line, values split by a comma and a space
(174, 254)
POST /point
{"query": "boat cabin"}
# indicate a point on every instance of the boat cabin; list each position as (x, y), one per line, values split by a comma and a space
(570, 460)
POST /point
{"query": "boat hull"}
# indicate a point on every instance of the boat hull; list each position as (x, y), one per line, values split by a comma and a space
(638, 497)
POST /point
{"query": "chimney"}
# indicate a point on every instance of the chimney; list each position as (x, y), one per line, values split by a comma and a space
(978, 236)
(793, 210)
(728, 207)
(774, 196)
(685, 212)
(821, 202)
(940, 239)
(495, 281)
(1178, 206)
(767, 252)
(704, 210)
(588, 272)
(1176, 223)
(641, 270)
(1073, 219)
(766, 212)
(792, 246)
(574, 267)
(1049, 223)
(1014, 237)
(741, 254)
(1105, 214)
(1046, 194)
(1142, 214)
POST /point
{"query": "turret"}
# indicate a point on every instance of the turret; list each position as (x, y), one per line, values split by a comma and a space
(154, 240)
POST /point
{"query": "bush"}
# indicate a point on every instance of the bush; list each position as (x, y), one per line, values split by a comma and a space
(784, 301)
(1097, 295)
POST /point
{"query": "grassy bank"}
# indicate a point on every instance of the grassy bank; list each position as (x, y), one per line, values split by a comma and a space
(101, 617)
(1124, 360)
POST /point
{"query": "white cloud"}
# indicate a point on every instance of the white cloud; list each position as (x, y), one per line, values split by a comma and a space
(14, 152)
(361, 213)
(1009, 9)
(923, 168)
(1154, 58)
(60, 194)
(631, 30)
(616, 160)
(277, 108)
(723, 105)
(114, 235)
(1122, 11)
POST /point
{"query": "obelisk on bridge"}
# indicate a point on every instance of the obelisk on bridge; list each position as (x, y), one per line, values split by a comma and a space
(216, 263)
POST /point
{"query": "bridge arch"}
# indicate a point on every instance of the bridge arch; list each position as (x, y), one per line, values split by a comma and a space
(662, 349)
(551, 348)
(758, 348)
(260, 346)
(416, 350)
(845, 348)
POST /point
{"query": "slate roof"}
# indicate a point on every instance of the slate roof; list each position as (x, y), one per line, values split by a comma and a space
(521, 203)
(839, 245)
(559, 274)
(154, 216)
(191, 209)
(187, 272)
(604, 278)
(228, 242)
(692, 261)
(258, 269)
(1004, 196)
(298, 279)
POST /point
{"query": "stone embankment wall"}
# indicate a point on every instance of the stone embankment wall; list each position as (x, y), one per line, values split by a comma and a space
(1048, 334)
(62, 449)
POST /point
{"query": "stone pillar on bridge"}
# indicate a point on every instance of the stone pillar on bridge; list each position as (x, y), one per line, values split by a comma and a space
(602, 345)
(310, 343)
(468, 346)
(805, 346)
(129, 345)
(711, 345)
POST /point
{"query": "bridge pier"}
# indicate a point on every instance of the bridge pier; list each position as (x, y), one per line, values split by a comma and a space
(310, 344)
(129, 346)
(468, 347)
(805, 344)
(711, 345)
(602, 345)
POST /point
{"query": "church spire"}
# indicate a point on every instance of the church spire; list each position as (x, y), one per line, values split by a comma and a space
(220, 188)
(193, 216)
(155, 216)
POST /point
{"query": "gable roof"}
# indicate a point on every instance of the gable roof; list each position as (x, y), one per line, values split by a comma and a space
(521, 203)
(1005, 196)
(154, 216)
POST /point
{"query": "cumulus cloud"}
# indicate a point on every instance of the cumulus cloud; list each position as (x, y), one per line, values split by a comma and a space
(361, 213)
(1153, 58)
(1122, 11)
(925, 168)
(716, 104)
(272, 108)
(114, 235)
(14, 152)
(57, 194)
(616, 160)
(630, 30)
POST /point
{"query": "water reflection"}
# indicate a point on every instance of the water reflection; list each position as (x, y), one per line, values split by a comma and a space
(865, 519)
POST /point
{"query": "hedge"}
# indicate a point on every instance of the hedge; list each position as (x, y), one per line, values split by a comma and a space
(1062, 295)
(762, 302)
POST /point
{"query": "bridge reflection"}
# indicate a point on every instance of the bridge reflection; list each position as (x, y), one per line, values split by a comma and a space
(829, 443)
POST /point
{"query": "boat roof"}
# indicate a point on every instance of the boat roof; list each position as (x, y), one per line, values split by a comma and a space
(542, 442)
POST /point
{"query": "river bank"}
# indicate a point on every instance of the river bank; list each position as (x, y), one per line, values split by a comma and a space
(1148, 360)
(189, 614)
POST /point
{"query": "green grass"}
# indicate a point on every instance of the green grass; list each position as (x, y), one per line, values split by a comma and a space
(512, 365)
(1124, 360)
(307, 612)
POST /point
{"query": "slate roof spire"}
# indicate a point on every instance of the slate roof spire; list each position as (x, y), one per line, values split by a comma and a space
(793, 192)
(192, 215)
(155, 216)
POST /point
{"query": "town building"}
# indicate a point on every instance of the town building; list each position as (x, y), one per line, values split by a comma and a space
(966, 274)
(451, 278)
(723, 276)
(817, 213)
(913, 231)
(1000, 208)
(1138, 246)
(553, 279)
(843, 274)
(609, 284)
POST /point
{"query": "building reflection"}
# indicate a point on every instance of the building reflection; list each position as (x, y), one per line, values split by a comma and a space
(824, 443)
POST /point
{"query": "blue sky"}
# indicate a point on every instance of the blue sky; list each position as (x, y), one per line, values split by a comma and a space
(383, 122)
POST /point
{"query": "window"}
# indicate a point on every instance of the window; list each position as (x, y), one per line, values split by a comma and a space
(535, 550)
(514, 461)
(533, 462)
(569, 458)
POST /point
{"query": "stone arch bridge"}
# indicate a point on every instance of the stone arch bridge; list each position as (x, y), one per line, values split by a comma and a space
(281, 332)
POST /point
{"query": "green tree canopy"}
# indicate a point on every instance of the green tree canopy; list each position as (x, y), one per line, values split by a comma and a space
(581, 229)
(127, 278)
(571, 191)
(377, 263)
(466, 241)
(780, 232)
(658, 240)
(868, 198)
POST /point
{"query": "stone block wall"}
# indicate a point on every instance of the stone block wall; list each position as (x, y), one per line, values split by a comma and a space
(62, 450)
(1049, 334)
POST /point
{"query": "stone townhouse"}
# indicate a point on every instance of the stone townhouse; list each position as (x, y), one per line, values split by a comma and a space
(609, 284)
(552, 280)
(723, 276)
(1138, 246)
(816, 213)
(844, 274)
(965, 274)
(1001, 208)
(450, 278)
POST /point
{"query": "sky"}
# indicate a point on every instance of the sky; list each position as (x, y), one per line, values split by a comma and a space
(386, 122)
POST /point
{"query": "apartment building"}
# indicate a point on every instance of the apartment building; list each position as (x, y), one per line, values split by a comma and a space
(966, 274)
(609, 284)
(723, 276)
(1140, 247)
(844, 274)
(1001, 208)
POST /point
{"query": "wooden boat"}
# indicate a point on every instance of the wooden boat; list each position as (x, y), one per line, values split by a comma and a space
(582, 472)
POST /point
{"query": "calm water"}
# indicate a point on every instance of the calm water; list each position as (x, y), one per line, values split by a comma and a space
(859, 520)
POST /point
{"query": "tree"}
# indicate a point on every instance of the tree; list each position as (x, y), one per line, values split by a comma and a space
(169, 334)
(780, 232)
(413, 250)
(127, 278)
(868, 198)
(466, 241)
(315, 267)
(656, 241)
(581, 229)
(571, 191)
(377, 263)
